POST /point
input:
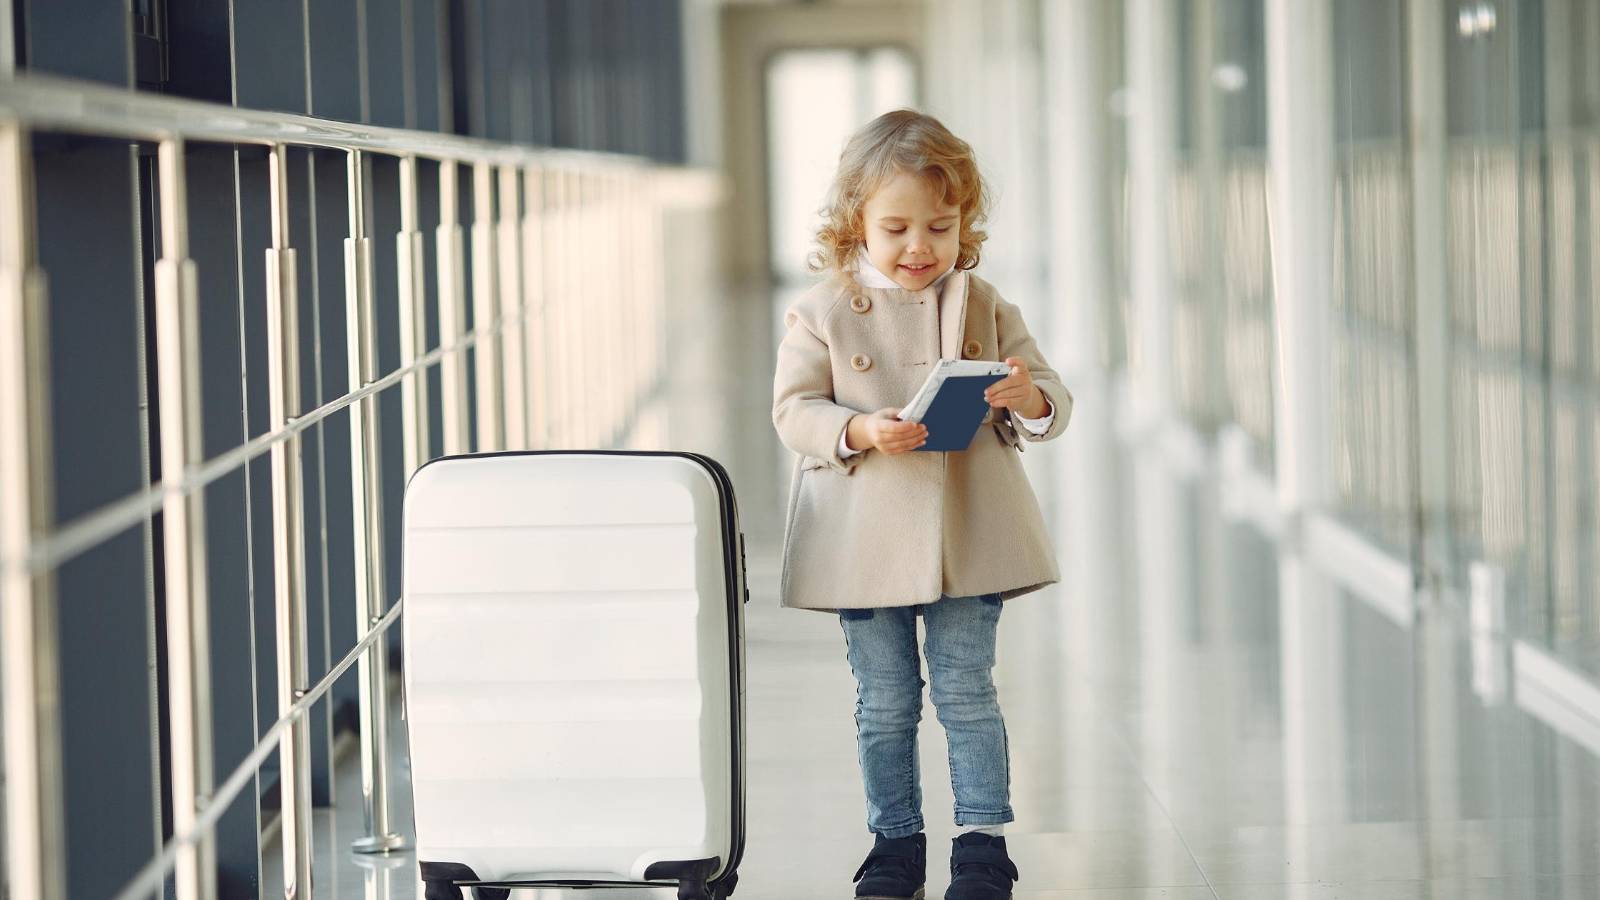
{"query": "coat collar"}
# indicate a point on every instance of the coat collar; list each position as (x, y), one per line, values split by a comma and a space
(950, 289)
(867, 275)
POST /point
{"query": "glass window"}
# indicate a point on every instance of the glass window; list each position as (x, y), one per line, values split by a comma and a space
(815, 100)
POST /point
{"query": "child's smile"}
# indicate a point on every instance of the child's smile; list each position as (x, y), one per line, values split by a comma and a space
(912, 234)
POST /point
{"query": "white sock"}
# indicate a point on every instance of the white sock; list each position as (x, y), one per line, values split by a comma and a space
(991, 830)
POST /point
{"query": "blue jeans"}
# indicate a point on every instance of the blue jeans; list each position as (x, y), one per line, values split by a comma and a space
(881, 645)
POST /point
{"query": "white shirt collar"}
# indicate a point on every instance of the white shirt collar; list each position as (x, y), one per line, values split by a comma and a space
(867, 274)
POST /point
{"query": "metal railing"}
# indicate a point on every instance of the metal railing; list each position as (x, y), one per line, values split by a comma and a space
(533, 210)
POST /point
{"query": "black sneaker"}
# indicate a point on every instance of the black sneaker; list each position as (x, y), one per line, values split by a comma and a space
(980, 868)
(895, 869)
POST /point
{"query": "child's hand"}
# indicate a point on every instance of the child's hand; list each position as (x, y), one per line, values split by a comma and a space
(1017, 391)
(885, 432)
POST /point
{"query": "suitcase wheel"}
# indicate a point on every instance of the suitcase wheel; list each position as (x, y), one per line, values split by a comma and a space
(720, 889)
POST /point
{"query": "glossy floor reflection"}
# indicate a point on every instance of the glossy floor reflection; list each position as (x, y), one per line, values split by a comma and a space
(1193, 713)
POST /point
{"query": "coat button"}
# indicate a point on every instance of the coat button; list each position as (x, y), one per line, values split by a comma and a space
(860, 303)
(972, 349)
(861, 362)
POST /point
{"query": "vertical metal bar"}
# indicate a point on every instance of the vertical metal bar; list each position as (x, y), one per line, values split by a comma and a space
(452, 309)
(320, 381)
(367, 515)
(655, 280)
(559, 215)
(511, 309)
(587, 312)
(628, 378)
(1150, 142)
(600, 332)
(413, 320)
(561, 263)
(34, 839)
(622, 379)
(640, 313)
(188, 628)
(604, 333)
(627, 320)
(575, 314)
(533, 305)
(1426, 107)
(647, 278)
(1300, 157)
(137, 169)
(288, 537)
(594, 312)
(1077, 82)
(485, 314)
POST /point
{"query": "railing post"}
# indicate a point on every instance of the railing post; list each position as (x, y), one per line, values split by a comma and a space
(452, 309)
(367, 507)
(413, 320)
(511, 309)
(1151, 117)
(639, 312)
(188, 628)
(288, 537)
(585, 313)
(608, 321)
(569, 310)
(485, 311)
(557, 333)
(533, 294)
(34, 839)
(1300, 158)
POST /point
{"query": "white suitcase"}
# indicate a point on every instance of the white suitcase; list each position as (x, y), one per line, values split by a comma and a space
(574, 671)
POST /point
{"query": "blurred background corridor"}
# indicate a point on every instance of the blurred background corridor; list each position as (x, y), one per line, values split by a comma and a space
(1322, 275)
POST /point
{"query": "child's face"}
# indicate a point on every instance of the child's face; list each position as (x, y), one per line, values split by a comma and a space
(912, 234)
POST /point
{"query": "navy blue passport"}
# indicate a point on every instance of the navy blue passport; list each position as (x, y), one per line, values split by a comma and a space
(957, 407)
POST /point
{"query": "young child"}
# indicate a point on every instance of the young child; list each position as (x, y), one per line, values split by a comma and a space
(883, 535)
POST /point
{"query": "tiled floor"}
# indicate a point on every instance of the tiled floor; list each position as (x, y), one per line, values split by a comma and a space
(1193, 714)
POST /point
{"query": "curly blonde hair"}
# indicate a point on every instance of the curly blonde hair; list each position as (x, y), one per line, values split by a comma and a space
(900, 141)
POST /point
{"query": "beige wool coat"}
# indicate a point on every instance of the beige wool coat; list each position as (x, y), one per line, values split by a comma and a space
(874, 530)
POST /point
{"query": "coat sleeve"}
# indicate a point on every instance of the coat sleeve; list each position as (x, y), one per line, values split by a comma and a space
(1015, 340)
(803, 411)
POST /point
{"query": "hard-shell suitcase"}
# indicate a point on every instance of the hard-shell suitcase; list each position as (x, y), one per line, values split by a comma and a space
(574, 671)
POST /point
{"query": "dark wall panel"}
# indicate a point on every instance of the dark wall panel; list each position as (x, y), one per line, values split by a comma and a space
(590, 74)
(664, 80)
(80, 39)
(88, 252)
(387, 72)
(198, 50)
(570, 46)
(335, 64)
(466, 43)
(511, 67)
(542, 112)
(269, 55)
(430, 58)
